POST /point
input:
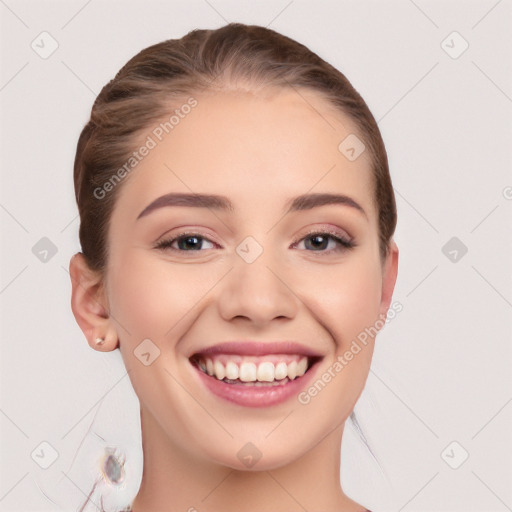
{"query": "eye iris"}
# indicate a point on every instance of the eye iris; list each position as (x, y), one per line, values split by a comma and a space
(183, 242)
(323, 241)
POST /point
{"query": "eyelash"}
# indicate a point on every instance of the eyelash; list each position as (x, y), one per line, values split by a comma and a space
(344, 244)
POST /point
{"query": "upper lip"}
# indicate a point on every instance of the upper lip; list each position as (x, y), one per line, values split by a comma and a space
(257, 348)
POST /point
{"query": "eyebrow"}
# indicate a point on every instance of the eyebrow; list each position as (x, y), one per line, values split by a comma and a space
(216, 202)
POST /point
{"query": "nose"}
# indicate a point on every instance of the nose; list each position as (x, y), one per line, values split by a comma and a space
(257, 292)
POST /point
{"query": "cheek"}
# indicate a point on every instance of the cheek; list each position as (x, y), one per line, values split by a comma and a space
(347, 298)
(152, 295)
(347, 304)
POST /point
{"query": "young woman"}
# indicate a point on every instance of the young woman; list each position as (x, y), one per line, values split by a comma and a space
(236, 223)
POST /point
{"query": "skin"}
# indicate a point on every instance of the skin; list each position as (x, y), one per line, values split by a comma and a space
(259, 150)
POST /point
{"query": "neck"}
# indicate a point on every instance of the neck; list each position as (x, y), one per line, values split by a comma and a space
(174, 481)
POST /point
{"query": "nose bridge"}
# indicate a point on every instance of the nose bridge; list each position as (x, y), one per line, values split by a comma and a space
(254, 288)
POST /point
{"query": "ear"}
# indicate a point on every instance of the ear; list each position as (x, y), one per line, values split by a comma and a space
(389, 273)
(90, 305)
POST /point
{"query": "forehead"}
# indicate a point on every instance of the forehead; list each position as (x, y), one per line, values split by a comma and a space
(255, 147)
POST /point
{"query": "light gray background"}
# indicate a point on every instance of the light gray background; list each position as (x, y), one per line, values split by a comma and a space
(442, 367)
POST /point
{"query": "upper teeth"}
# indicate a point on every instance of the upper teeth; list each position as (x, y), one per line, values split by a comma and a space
(252, 371)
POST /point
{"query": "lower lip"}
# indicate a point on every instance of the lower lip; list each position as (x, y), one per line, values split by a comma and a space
(256, 396)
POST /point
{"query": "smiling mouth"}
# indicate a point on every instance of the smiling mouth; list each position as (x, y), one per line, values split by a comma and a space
(254, 371)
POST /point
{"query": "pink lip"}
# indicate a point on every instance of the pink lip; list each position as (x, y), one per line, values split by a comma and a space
(258, 348)
(253, 396)
(257, 396)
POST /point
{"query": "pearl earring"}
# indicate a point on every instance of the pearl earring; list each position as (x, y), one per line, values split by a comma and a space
(99, 341)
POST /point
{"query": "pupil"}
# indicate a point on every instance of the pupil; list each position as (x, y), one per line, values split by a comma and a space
(184, 241)
(322, 239)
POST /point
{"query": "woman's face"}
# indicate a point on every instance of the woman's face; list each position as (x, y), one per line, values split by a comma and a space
(255, 290)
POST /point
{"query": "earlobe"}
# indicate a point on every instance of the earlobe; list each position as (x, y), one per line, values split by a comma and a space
(89, 305)
(389, 275)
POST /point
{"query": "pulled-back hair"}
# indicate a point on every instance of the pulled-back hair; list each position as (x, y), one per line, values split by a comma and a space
(160, 77)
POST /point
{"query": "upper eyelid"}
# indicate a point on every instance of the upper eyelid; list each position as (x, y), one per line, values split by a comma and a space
(341, 233)
(320, 230)
(184, 233)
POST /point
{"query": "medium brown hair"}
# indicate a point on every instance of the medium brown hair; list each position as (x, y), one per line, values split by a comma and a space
(206, 60)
